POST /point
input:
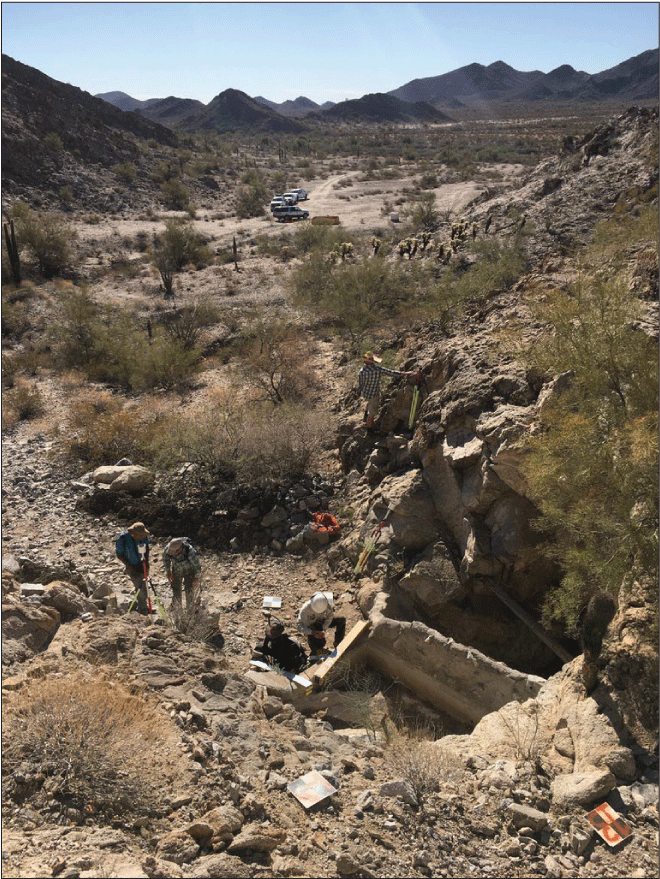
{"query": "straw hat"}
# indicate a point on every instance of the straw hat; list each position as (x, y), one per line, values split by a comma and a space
(370, 357)
(138, 528)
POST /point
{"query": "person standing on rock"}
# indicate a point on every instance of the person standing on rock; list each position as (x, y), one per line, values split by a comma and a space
(182, 566)
(315, 617)
(132, 549)
(369, 381)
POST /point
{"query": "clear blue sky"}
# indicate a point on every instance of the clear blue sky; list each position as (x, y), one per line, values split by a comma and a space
(324, 51)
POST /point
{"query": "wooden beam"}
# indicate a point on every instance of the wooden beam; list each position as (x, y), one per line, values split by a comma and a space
(538, 630)
(349, 640)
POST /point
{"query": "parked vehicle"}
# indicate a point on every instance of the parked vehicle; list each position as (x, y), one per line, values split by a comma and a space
(291, 197)
(278, 202)
(301, 193)
(287, 213)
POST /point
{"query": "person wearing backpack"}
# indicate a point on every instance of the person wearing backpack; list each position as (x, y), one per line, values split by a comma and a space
(183, 567)
(282, 650)
(132, 549)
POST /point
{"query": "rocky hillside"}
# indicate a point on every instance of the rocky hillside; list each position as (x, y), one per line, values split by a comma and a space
(455, 740)
(52, 131)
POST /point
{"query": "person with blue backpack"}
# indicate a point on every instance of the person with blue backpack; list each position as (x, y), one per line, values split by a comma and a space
(132, 549)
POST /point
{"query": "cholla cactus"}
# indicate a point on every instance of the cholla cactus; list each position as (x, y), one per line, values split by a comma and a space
(414, 244)
(333, 256)
(404, 247)
(474, 230)
(375, 243)
(426, 237)
(346, 250)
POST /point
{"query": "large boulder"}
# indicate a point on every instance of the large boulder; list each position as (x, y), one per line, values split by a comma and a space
(563, 728)
(67, 599)
(26, 629)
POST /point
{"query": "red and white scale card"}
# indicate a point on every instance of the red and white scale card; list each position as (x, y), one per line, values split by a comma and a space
(609, 824)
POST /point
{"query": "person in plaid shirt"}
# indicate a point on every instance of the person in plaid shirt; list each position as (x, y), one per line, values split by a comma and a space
(369, 381)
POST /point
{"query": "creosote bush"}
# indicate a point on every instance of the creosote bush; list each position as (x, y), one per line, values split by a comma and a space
(46, 237)
(234, 437)
(109, 345)
(81, 742)
(101, 429)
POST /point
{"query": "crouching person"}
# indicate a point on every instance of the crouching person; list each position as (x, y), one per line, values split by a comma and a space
(183, 567)
(279, 649)
(315, 617)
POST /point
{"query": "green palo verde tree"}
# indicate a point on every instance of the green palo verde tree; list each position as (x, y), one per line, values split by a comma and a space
(174, 248)
(356, 297)
(592, 468)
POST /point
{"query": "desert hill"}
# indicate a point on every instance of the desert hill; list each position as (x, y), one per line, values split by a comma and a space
(634, 80)
(34, 105)
(383, 108)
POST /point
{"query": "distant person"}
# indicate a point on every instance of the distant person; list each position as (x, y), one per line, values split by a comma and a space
(183, 567)
(315, 617)
(369, 381)
(279, 649)
(132, 549)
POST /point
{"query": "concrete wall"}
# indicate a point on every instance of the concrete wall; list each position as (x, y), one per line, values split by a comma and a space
(455, 678)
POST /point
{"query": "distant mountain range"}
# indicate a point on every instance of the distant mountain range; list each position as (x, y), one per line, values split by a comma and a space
(420, 100)
(634, 80)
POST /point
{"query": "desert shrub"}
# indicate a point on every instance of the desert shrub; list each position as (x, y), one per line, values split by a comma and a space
(165, 363)
(183, 245)
(185, 325)
(125, 171)
(177, 246)
(230, 439)
(100, 428)
(17, 317)
(414, 757)
(592, 466)
(356, 296)
(24, 401)
(10, 367)
(176, 194)
(498, 266)
(194, 622)
(66, 195)
(423, 211)
(277, 360)
(309, 238)
(52, 142)
(77, 328)
(80, 742)
(251, 195)
(520, 729)
(46, 237)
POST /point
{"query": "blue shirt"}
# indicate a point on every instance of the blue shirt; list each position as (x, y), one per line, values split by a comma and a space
(126, 548)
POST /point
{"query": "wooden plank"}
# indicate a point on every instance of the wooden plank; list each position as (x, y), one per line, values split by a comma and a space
(538, 630)
(349, 640)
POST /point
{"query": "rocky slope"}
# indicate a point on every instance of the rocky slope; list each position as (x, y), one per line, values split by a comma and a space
(504, 791)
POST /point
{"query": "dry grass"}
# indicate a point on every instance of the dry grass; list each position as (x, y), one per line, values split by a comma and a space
(415, 758)
(83, 743)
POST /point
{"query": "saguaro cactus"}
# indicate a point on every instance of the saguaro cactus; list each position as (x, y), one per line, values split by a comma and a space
(12, 250)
